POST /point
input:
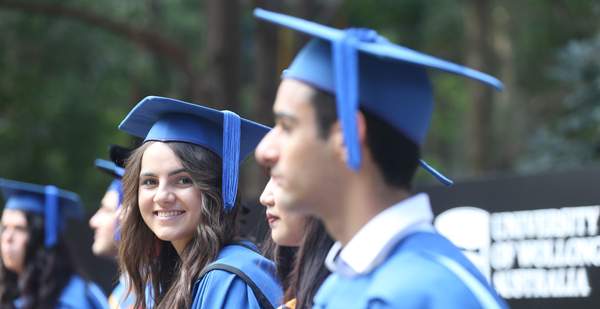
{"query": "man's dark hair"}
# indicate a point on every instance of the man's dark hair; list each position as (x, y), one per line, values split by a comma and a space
(396, 156)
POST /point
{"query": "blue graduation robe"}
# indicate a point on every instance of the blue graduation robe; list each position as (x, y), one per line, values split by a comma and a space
(82, 295)
(223, 289)
(117, 299)
(78, 294)
(410, 277)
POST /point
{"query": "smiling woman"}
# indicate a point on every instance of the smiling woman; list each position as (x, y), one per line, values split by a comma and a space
(168, 199)
(179, 233)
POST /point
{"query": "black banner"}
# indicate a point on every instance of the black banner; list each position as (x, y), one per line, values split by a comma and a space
(536, 238)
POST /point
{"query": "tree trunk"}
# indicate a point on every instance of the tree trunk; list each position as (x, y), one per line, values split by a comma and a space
(266, 80)
(510, 142)
(266, 70)
(305, 9)
(480, 56)
(223, 54)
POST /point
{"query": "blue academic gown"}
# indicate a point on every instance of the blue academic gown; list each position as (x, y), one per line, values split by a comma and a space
(410, 277)
(79, 294)
(223, 289)
(117, 299)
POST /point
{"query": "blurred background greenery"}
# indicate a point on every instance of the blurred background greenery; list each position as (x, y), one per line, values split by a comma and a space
(71, 70)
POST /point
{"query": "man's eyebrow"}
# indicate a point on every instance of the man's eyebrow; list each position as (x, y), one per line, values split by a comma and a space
(285, 116)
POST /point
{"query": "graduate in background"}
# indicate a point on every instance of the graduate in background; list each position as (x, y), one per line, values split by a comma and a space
(37, 270)
(299, 245)
(351, 114)
(179, 231)
(105, 222)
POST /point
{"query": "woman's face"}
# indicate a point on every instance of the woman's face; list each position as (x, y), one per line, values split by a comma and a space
(169, 202)
(13, 240)
(287, 229)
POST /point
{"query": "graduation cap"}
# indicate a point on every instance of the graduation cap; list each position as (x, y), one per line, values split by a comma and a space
(119, 154)
(223, 132)
(110, 167)
(115, 168)
(360, 67)
(54, 204)
(117, 172)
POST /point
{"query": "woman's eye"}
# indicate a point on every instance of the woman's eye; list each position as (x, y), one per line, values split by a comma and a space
(148, 182)
(185, 181)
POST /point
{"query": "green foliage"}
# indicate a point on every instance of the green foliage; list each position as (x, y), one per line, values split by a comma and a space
(66, 84)
(533, 127)
(430, 26)
(64, 87)
(570, 135)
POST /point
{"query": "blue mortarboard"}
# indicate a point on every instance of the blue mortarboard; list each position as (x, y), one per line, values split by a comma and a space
(115, 168)
(110, 168)
(119, 154)
(117, 172)
(222, 132)
(54, 204)
(361, 67)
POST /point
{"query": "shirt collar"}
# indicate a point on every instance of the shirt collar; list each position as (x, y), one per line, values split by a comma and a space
(374, 241)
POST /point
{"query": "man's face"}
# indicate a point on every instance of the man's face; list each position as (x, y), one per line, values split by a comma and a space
(104, 223)
(303, 165)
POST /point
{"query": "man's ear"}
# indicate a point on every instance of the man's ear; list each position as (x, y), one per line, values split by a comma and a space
(337, 136)
(361, 126)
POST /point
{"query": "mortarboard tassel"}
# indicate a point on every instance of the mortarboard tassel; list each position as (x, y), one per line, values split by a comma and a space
(51, 209)
(230, 157)
(439, 176)
(345, 60)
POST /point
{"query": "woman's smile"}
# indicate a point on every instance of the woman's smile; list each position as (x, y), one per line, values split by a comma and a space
(166, 215)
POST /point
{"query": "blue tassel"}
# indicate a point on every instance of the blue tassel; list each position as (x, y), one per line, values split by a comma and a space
(345, 64)
(231, 158)
(439, 176)
(51, 214)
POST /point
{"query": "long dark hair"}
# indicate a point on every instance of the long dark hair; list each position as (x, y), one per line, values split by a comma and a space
(302, 270)
(149, 261)
(284, 258)
(47, 271)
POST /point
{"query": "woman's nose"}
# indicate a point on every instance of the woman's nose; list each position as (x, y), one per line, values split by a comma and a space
(267, 198)
(164, 195)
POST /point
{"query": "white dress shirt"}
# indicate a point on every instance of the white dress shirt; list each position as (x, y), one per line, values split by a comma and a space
(374, 241)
